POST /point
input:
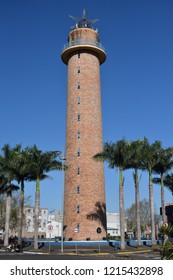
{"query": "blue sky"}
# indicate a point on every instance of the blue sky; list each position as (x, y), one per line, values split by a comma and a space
(136, 80)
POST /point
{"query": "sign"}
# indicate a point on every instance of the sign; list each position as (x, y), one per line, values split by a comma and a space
(99, 230)
(76, 230)
(50, 227)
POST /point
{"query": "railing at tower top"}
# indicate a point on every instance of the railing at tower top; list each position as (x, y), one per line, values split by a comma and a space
(83, 42)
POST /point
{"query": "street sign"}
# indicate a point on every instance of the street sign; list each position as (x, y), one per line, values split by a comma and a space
(76, 230)
(50, 227)
(99, 230)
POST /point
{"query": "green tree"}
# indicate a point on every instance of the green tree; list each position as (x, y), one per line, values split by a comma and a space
(6, 185)
(40, 164)
(21, 170)
(150, 157)
(164, 164)
(135, 162)
(116, 155)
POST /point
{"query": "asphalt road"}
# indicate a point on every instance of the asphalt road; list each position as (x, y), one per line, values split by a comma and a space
(146, 254)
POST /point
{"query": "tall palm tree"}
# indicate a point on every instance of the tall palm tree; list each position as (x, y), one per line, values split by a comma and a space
(135, 162)
(116, 155)
(7, 176)
(40, 164)
(150, 157)
(162, 167)
(21, 168)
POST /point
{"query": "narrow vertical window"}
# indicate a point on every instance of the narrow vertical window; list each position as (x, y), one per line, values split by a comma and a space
(78, 170)
(78, 227)
(78, 100)
(78, 152)
(78, 134)
(78, 69)
(78, 208)
(78, 55)
(78, 117)
(78, 85)
(78, 189)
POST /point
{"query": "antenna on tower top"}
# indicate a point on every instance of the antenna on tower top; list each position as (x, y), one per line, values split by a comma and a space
(84, 21)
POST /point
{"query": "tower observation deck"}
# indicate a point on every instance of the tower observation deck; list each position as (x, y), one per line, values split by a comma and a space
(84, 178)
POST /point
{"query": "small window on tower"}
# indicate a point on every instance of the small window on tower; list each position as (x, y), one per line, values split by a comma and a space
(78, 55)
(78, 189)
(78, 208)
(78, 85)
(78, 227)
(78, 117)
(78, 170)
(78, 152)
(78, 100)
(78, 134)
(78, 69)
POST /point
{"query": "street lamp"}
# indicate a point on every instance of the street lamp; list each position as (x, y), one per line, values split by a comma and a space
(62, 158)
(50, 227)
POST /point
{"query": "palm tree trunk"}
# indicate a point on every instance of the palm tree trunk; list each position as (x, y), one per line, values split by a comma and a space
(163, 200)
(151, 200)
(21, 206)
(137, 200)
(37, 209)
(7, 218)
(121, 205)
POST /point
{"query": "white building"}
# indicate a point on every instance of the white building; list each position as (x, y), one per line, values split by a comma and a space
(53, 226)
(29, 215)
(113, 224)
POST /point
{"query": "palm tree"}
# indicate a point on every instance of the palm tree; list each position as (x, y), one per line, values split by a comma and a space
(6, 185)
(116, 155)
(164, 165)
(150, 157)
(20, 167)
(40, 164)
(168, 182)
(135, 162)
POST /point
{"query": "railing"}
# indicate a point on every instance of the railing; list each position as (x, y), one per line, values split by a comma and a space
(83, 42)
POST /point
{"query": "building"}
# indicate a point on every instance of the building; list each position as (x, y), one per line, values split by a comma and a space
(113, 224)
(84, 178)
(29, 216)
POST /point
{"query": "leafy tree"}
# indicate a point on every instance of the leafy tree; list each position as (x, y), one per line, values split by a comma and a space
(150, 157)
(135, 162)
(6, 185)
(116, 155)
(145, 216)
(40, 164)
(21, 171)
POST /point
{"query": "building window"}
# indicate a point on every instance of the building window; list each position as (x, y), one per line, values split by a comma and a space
(78, 70)
(78, 134)
(78, 152)
(78, 227)
(78, 208)
(78, 189)
(78, 100)
(78, 85)
(78, 170)
(78, 117)
(78, 55)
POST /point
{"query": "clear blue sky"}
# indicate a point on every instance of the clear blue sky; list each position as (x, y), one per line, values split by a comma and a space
(136, 79)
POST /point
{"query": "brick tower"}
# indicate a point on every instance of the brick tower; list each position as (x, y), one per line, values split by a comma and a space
(84, 178)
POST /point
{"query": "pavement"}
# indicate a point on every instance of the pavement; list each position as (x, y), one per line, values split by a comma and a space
(82, 252)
